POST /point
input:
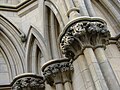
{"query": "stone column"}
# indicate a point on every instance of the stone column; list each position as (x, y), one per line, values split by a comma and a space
(28, 81)
(72, 12)
(57, 72)
(82, 7)
(90, 8)
(55, 51)
(107, 69)
(66, 69)
(88, 81)
(99, 42)
(79, 37)
(95, 70)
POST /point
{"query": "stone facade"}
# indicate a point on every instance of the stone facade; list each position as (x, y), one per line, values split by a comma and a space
(59, 45)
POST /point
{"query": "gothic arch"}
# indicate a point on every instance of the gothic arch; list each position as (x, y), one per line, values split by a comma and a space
(34, 37)
(58, 15)
(105, 13)
(10, 44)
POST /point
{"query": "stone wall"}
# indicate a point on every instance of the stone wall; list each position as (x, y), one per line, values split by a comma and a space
(31, 36)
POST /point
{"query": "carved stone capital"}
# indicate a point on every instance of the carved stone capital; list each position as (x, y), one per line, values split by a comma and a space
(29, 82)
(82, 33)
(53, 69)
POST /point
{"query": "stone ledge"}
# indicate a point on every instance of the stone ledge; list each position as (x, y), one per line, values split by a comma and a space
(16, 8)
(54, 61)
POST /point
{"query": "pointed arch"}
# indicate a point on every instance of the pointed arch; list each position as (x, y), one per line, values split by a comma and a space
(35, 38)
(10, 45)
(58, 15)
(103, 11)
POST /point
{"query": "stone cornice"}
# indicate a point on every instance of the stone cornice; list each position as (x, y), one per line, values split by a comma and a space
(16, 8)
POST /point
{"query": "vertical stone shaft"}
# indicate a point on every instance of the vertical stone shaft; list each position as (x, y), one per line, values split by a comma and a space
(58, 82)
(81, 37)
(106, 69)
(112, 10)
(77, 76)
(95, 70)
(66, 80)
(90, 8)
(59, 86)
(83, 9)
(54, 48)
(72, 12)
(68, 86)
(69, 4)
(89, 84)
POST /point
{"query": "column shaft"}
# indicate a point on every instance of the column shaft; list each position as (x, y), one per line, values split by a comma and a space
(107, 69)
(73, 13)
(95, 70)
(83, 9)
(77, 76)
(53, 33)
(66, 80)
(89, 8)
(68, 86)
(58, 82)
(89, 84)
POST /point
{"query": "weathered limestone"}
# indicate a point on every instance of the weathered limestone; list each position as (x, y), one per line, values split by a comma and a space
(83, 9)
(28, 81)
(72, 10)
(58, 73)
(111, 10)
(106, 69)
(90, 8)
(87, 77)
(95, 70)
(81, 33)
(66, 74)
(81, 36)
(53, 25)
(29, 41)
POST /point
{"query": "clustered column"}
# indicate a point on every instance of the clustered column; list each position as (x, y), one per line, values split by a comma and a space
(89, 36)
(58, 73)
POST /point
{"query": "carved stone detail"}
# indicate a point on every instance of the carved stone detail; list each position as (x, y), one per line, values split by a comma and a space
(31, 82)
(54, 69)
(83, 34)
(23, 37)
(118, 43)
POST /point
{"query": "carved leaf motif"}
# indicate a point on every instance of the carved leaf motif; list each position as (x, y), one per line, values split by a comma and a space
(28, 82)
(56, 68)
(84, 34)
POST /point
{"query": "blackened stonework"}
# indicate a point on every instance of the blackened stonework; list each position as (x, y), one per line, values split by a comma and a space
(28, 82)
(55, 68)
(83, 33)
